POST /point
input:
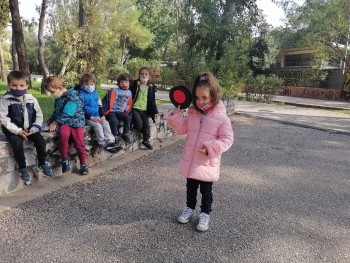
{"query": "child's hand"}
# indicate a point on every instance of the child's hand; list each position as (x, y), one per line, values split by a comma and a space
(95, 119)
(203, 150)
(177, 110)
(52, 126)
(102, 119)
(28, 133)
(23, 135)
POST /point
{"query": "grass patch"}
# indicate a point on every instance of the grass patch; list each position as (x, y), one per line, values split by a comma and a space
(341, 111)
(243, 98)
(160, 102)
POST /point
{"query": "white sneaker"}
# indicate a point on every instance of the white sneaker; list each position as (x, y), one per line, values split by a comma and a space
(186, 215)
(203, 224)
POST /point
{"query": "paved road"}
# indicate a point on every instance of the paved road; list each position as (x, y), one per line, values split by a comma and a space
(283, 196)
(305, 117)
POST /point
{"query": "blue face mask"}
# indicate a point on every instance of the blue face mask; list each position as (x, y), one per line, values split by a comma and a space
(18, 93)
(89, 88)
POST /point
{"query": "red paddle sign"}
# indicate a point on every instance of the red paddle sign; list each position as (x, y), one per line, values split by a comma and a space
(180, 95)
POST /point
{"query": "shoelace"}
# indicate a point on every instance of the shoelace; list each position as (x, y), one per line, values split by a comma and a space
(203, 219)
(186, 212)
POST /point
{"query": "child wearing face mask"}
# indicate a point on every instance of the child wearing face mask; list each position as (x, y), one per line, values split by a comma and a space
(21, 119)
(69, 118)
(144, 104)
(209, 134)
(117, 104)
(94, 115)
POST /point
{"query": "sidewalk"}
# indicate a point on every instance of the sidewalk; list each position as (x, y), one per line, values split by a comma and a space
(304, 116)
(313, 103)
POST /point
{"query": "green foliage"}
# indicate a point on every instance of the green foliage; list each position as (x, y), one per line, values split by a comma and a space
(32, 43)
(262, 54)
(71, 78)
(134, 65)
(263, 88)
(4, 14)
(158, 17)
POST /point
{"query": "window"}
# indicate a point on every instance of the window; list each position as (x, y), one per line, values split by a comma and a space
(301, 60)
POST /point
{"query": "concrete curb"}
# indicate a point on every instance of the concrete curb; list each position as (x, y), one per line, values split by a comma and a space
(50, 185)
(310, 105)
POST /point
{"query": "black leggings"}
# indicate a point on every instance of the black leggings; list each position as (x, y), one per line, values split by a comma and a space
(206, 191)
(16, 142)
(140, 123)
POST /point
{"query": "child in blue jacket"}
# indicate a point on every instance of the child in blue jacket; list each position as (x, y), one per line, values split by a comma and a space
(94, 114)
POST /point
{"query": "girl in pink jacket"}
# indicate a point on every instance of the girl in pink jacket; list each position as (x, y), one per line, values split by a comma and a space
(209, 134)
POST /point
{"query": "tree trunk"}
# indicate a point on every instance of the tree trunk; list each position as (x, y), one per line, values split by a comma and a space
(123, 47)
(17, 32)
(2, 62)
(15, 65)
(81, 14)
(80, 42)
(41, 50)
(65, 62)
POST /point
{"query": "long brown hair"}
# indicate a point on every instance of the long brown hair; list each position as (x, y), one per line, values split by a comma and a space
(208, 80)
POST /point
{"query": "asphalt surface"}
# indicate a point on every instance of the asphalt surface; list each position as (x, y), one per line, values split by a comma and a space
(320, 119)
(283, 196)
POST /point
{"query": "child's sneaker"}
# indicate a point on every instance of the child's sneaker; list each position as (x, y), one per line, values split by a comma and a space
(25, 176)
(65, 165)
(126, 138)
(112, 147)
(148, 145)
(84, 169)
(45, 169)
(203, 224)
(186, 215)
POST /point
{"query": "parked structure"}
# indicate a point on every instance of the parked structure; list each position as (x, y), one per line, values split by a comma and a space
(302, 79)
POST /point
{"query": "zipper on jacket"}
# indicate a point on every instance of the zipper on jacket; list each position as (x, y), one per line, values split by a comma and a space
(200, 128)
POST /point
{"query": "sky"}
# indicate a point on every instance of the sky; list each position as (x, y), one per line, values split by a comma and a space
(273, 13)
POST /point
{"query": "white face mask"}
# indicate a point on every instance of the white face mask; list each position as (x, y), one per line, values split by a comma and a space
(144, 80)
(89, 88)
(56, 95)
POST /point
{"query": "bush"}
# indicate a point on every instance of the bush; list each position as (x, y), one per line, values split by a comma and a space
(262, 88)
(134, 65)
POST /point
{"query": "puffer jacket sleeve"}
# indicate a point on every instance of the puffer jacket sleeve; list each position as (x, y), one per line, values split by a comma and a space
(36, 126)
(6, 121)
(177, 122)
(128, 105)
(223, 143)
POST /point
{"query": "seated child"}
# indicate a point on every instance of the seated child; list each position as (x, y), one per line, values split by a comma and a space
(144, 104)
(94, 115)
(21, 119)
(117, 104)
(69, 117)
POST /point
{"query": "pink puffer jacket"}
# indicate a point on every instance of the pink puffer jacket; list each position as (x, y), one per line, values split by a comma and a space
(215, 132)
